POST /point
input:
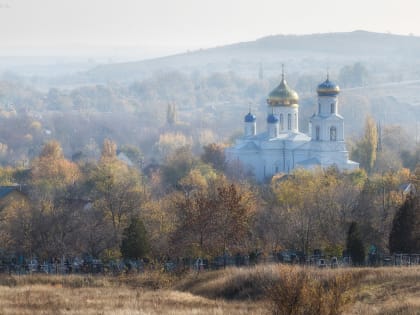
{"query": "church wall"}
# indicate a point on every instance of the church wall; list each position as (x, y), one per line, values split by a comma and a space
(324, 103)
(250, 129)
(285, 111)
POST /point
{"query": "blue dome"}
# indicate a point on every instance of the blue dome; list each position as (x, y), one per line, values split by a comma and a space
(250, 118)
(328, 88)
(272, 119)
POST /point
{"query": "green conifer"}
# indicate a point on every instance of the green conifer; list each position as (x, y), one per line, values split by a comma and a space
(134, 244)
(355, 246)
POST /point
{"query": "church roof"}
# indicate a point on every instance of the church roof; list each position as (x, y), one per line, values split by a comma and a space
(249, 146)
(310, 162)
(335, 117)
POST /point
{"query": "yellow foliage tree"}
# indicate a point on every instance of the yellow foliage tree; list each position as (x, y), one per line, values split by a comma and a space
(117, 190)
(51, 172)
(365, 150)
(316, 206)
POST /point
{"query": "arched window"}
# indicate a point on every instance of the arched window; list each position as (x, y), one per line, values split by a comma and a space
(333, 133)
(319, 108)
(332, 108)
(281, 122)
(317, 133)
(295, 122)
(289, 121)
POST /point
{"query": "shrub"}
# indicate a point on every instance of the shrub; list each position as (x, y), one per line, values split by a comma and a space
(300, 292)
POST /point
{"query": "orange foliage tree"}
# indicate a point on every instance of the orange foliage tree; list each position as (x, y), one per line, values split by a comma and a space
(214, 221)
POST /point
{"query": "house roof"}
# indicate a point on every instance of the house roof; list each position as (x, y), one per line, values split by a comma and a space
(407, 188)
(6, 190)
(310, 162)
(249, 146)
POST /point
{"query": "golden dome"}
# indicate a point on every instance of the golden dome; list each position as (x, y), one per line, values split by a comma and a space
(283, 95)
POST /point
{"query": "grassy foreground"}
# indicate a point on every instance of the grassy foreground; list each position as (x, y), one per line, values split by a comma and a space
(261, 290)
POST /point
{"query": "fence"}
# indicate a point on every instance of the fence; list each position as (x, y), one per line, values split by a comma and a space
(96, 266)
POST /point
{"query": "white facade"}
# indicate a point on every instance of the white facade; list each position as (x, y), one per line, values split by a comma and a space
(282, 147)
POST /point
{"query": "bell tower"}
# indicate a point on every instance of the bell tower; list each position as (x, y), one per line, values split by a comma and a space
(327, 124)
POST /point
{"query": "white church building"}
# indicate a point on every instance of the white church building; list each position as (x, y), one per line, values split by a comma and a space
(282, 148)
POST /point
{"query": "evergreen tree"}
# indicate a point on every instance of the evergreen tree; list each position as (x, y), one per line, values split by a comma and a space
(134, 244)
(355, 246)
(405, 234)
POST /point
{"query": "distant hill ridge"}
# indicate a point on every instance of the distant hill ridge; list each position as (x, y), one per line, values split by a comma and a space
(341, 45)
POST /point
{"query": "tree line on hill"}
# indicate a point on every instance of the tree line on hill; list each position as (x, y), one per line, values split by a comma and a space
(197, 206)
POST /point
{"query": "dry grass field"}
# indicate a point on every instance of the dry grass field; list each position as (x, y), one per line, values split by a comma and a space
(259, 290)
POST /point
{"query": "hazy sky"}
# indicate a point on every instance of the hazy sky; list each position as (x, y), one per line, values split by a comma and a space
(192, 23)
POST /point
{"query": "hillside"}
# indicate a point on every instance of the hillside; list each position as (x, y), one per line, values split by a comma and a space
(230, 291)
(299, 52)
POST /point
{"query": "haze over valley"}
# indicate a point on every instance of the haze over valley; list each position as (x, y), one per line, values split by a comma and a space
(379, 75)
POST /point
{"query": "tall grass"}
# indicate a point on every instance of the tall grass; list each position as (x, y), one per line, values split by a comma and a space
(267, 289)
(150, 280)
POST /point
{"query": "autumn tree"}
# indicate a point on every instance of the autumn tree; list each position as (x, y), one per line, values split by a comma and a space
(116, 190)
(134, 154)
(376, 205)
(109, 150)
(7, 175)
(234, 208)
(95, 233)
(54, 216)
(194, 182)
(194, 235)
(51, 172)
(298, 197)
(16, 224)
(169, 143)
(214, 154)
(160, 219)
(195, 211)
(415, 179)
(177, 165)
(311, 209)
(214, 220)
(365, 150)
